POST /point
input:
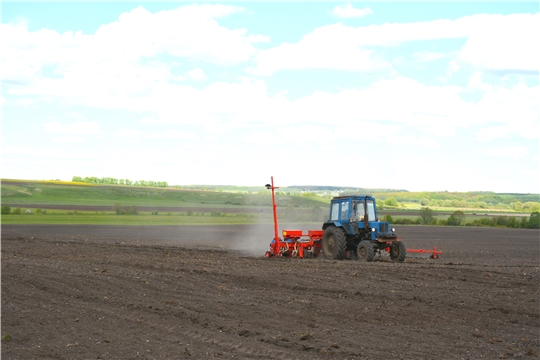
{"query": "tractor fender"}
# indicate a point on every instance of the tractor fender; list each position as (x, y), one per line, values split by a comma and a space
(332, 223)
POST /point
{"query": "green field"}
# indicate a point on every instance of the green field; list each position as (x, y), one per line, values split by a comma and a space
(39, 194)
(300, 207)
(43, 193)
(88, 218)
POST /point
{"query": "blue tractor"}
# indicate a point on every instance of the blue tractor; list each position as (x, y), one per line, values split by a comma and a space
(353, 228)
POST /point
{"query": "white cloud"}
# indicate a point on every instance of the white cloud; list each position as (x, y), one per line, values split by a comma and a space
(75, 115)
(17, 150)
(308, 134)
(525, 130)
(494, 42)
(68, 154)
(70, 139)
(435, 110)
(177, 134)
(145, 34)
(530, 130)
(169, 134)
(47, 153)
(427, 56)
(98, 74)
(503, 43)
(129, 133)
(150, 120)
(196, 74)
(405, 101)
(334, 47)
(348, 11)
(532, 173)
(376, 130)
(476, 83)
(262, 137)
(516, 106)
(79, 127)
(423, 141)
(439, 127)
(453, 68)
(494, 132)
(512, 152)
(89, 68)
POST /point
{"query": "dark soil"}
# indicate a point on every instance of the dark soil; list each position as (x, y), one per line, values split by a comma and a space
(115, 292)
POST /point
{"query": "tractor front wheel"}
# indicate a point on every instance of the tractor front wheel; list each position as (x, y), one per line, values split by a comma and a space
(398, 252)
(333, 243)
(365, 251)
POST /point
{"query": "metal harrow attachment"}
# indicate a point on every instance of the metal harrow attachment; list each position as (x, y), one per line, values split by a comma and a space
(434, 252)
(296, 244)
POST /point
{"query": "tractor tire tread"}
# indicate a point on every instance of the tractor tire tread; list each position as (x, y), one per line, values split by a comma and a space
(369, 251)
(401, 253)
(340, 243)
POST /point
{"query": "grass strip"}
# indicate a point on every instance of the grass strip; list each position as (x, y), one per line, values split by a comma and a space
(136, 220)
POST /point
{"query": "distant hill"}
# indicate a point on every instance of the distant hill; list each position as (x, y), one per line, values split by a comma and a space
(339, 189)
(61, 193)
(299, 196)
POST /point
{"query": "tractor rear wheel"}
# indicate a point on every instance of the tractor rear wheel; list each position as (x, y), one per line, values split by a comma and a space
(333, 243)
(398, 252)
(365, 251)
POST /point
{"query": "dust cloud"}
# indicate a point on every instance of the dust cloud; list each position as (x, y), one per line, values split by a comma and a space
(256, 241)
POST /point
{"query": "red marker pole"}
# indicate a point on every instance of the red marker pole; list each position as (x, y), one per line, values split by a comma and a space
(276, 236)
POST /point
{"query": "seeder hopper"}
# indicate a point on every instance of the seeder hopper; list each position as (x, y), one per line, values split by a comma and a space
(294, 242)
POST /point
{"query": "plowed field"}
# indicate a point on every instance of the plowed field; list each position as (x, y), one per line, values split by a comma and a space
(112, 292)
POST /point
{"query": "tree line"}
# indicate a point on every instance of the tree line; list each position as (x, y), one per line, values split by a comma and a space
(113, 181)
(458, 218)
(516, 202)
(528, 206)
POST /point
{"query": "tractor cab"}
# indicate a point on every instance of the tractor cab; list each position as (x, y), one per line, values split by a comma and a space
(358, 216)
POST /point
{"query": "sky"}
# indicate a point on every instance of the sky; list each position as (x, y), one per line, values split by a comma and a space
(419, 96)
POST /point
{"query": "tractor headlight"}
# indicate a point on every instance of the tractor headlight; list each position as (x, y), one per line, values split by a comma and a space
(393, 229)
(373, 229)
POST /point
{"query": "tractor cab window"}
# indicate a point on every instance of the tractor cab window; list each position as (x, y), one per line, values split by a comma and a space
(334, 215)
(359, 210)
(370, 210)
(344, 210)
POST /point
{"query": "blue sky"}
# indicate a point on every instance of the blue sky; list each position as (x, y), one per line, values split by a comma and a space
(417, 96)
